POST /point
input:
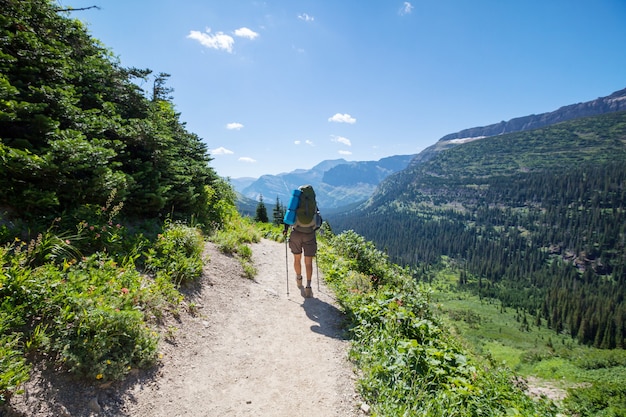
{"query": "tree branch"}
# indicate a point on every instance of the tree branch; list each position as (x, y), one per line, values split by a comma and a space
(71, 9)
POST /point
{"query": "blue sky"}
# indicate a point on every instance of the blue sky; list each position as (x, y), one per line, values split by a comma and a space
(273, 86)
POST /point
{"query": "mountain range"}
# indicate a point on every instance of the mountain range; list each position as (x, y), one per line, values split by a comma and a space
(340, 184)
(337, 183)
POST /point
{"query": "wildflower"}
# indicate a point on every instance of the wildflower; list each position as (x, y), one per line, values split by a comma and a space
(124, 290)
(67, 241)
(108, 362)
(118, 226)
(91, 227)
(99, 376)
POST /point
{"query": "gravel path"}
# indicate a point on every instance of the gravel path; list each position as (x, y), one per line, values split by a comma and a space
(249, 350)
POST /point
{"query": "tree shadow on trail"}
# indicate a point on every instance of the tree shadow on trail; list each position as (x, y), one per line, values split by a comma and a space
(330, 320)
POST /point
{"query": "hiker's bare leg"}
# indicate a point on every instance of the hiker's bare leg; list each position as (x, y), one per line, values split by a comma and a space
(308, 264)
(297, 265)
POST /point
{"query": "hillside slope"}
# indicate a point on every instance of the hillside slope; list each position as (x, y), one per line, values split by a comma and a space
(535, 219)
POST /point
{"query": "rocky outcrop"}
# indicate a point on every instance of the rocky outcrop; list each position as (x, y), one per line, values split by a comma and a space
(613, 103)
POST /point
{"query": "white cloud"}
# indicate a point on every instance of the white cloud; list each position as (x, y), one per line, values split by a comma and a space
(297, 142)
(342, 118)
(247, 160)
(306, 142)
(246, 33)
(341, 139)
(345, 153)
(234, 126)
(219, 40)
(306, 17)
(222, 151)
(406, 8)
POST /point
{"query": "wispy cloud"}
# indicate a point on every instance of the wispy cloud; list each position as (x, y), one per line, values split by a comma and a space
(306, 142)
(345, 153)
(222, 151)
(342, 118)
(306, 17)
(234, 126)
(218, 40)
(247, 159)
(341, 139)
(246, 33)
(406, 8)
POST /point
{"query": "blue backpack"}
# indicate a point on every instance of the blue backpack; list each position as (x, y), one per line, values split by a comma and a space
(302, 211)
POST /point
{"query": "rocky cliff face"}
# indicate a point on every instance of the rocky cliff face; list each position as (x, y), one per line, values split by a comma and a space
(613, 103)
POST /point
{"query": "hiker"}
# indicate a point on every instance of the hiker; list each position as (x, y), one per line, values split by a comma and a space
(304, 218)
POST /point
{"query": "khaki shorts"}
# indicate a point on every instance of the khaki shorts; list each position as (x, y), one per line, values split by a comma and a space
(299, 242)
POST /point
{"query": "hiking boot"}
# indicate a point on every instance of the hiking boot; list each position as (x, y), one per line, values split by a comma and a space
(308, 292)
(299, 282)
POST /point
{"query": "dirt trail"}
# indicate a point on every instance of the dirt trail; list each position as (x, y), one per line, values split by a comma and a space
(250, 350)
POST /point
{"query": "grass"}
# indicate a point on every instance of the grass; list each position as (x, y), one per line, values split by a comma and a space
(535, 351)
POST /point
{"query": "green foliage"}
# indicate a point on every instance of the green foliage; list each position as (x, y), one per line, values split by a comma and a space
(177, 253)
(408, 362)
(99, 329)
(261, 212)
(234, 240)
(271, 231)
(602, 399)
(76, 126)
(80, 142)
(556, 360)
(278, 213)
(13, 367)
(93, 313)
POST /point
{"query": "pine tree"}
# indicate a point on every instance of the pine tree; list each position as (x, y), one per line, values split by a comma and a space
(278, 212)
(261, 212)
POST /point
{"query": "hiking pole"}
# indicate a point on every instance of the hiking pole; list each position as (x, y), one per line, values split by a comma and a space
(287, 265)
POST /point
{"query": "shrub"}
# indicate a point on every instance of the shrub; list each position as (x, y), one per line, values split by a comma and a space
(177, 252)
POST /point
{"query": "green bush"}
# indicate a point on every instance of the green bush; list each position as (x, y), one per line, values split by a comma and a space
(234, 240)
(94, 314)
(177, 252)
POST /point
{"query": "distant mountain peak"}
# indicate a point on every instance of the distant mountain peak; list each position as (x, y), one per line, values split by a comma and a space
(337, 182)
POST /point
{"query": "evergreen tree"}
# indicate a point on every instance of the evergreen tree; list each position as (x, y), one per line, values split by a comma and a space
(261, 212)
(76, 127)
(278, 212)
